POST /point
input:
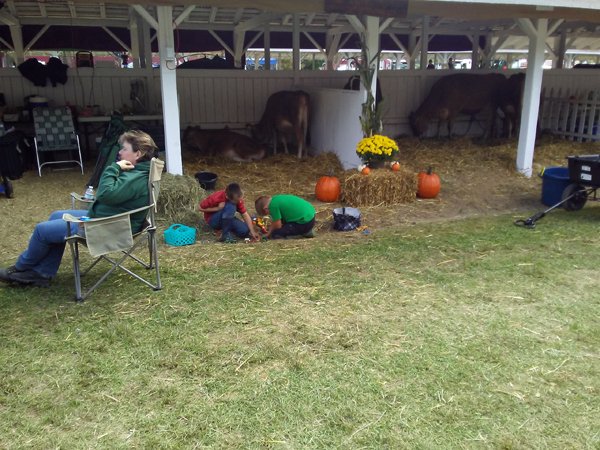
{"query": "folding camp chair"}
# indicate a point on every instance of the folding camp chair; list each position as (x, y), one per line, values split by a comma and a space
(113, 235)
(54, 132)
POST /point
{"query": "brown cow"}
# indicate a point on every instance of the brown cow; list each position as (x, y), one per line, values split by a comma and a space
(451, 95)
(286, 115)
(224, 142)
(510, 102)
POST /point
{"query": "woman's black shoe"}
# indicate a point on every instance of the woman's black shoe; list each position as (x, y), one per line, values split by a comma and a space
(24, 277)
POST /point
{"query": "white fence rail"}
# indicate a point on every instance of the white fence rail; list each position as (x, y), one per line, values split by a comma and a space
(214, 98)
(572, 114)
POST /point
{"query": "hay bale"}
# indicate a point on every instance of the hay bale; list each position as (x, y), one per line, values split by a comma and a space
(380, 187)
(178, 200)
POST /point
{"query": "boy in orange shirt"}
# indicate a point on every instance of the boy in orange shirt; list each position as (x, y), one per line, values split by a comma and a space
(219, 210)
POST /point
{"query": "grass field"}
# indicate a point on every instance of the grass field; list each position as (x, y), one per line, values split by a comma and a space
(461, 334)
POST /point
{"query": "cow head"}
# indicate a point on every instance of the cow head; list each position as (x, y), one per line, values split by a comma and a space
(418, 124)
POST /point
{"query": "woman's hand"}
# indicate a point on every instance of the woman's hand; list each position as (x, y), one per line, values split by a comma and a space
(125, 165)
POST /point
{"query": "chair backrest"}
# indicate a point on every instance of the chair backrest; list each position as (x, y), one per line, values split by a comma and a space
(53, 125)
(156, 169)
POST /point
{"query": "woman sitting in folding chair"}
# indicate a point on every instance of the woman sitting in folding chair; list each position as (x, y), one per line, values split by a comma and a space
(123, 187)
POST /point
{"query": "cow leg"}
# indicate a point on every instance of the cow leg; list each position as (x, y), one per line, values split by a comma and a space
(275, 142)
(300, 140)
(450, 126)
(285, 147)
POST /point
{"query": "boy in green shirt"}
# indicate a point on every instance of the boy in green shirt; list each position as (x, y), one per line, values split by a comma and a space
(290, 215)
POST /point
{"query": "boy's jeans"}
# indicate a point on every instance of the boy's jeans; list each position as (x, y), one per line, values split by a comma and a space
(226, 221)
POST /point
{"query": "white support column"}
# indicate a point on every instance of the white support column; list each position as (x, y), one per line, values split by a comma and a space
(168, 85)
(17, 39)
(488, 51)
(332, 46)
(561, 49)
(475, 52)
(239, 37)
(267, 41)
(295, 42)
(145, 46)
(424, 42)
(134, 34)
(372, 45)
(537, 32)
(412, 45)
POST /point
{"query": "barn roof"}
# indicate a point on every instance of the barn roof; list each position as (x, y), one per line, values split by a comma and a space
(451, 21)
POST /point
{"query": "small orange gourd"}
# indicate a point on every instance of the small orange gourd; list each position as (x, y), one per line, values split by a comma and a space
(366, 171)
(429, 184)
(395, 166)
(328, 189)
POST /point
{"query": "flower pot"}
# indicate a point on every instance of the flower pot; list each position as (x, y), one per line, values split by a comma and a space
(376, 164)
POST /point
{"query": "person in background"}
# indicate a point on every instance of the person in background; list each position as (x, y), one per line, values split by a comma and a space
(450, 63)
(122, 187)
(291, 216)
(430, 65)
(219, 210)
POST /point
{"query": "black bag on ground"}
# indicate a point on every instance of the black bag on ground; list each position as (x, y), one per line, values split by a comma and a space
(346, 219)
(11, 155)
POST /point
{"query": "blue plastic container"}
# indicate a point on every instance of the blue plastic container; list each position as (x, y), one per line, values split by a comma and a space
(554, 182)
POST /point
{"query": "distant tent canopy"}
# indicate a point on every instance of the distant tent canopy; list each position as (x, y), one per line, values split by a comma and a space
(61, 37)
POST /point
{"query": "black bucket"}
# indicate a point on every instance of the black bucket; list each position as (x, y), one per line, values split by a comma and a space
(207, 180)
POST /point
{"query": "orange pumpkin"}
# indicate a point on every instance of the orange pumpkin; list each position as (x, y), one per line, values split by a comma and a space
(366, 171)
(395, 166)
(328, 189)
(429, 184)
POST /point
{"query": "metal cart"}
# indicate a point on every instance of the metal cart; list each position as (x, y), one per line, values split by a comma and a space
(584, 174)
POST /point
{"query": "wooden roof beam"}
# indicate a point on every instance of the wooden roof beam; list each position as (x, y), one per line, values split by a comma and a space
(184, 15)
(213, 14)
(117, 40)
(8, 19)
(38, 35)
(238, 16)
(11, 7)
(147, 16)
(72, 10)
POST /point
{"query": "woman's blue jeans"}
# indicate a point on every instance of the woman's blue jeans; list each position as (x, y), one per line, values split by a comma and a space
(47, 244)
(225, 220)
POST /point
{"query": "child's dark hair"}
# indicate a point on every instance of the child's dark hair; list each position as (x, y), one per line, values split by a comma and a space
(233, 190)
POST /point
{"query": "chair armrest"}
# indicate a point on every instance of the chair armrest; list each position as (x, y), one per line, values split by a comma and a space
(71, 218)
(80, 198)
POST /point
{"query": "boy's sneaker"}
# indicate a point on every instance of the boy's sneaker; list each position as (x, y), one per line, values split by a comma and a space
(310, 234)
(227, 238)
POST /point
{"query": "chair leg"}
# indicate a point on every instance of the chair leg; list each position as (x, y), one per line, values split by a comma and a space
(80, 158)
(76, 270)
(151, 250)
(152, 238)
(37, 157)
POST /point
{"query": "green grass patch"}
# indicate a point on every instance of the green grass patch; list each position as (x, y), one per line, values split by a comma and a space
(472, 333)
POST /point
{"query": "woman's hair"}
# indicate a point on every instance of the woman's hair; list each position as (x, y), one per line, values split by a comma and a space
(261, 204)
(140, 142)
(233, 190)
